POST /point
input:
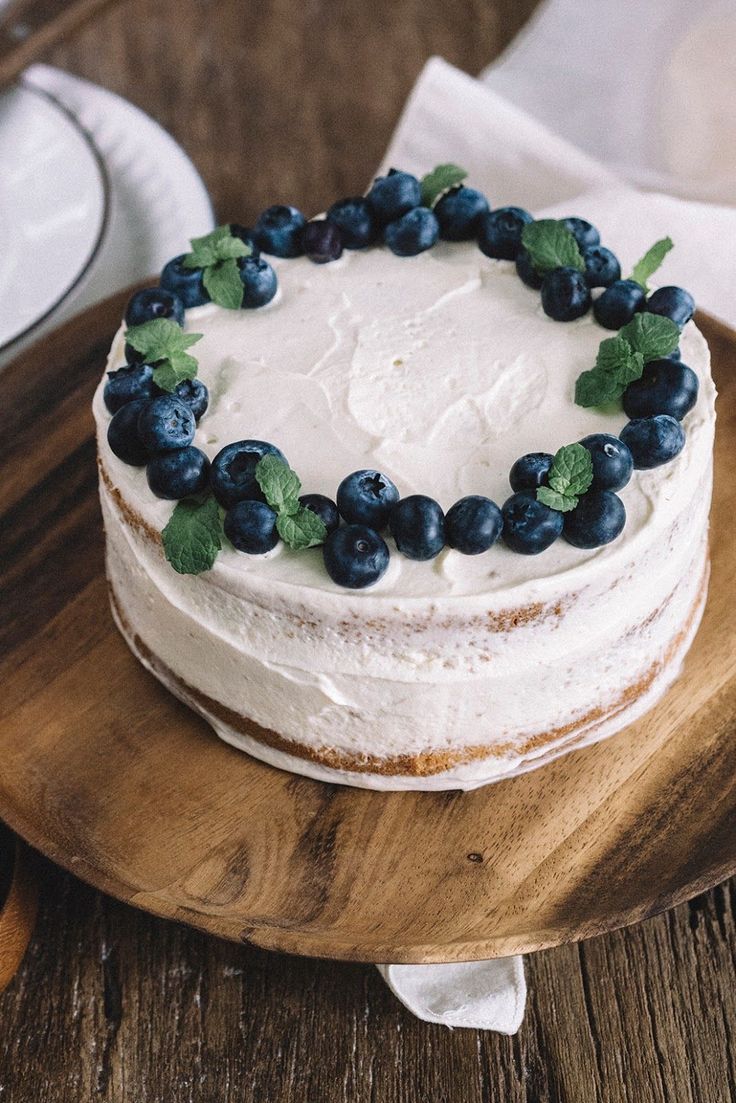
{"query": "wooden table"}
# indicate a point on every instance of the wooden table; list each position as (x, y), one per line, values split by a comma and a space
(295, 102)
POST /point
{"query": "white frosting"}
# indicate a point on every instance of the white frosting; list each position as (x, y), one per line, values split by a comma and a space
(439, 370)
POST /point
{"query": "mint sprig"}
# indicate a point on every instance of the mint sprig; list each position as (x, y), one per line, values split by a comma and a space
(193, 536)
(653, 335)
(163, 344)
(439, 181)
(217, 254)
(616, 365)
(297, 526)
(550, 244)
(645, 268)
(569, 477)
(621, 359)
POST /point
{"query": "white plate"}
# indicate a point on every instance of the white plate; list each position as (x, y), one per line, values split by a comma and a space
(53, 206)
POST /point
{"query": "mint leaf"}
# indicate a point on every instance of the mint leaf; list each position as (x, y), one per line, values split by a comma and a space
(650, 262)
(280, 485)
(439, 181)
(302, 529)
(193, 536)
(297, 526)
(652, 335)
(617, 358)
(217, 255)
(156, 339)
(551, 245)
(224, 284)
(177, 367)
(611, 351)
(163, 344)
(617, 364)
(216, 246)
(572, 470)
(596, 388)
(569, 476)
(555, 500)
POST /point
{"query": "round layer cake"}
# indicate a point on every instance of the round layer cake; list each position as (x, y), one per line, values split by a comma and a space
(439, 370)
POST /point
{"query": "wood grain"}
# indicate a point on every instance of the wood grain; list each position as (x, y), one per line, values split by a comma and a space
(29, 28)
(112, 1004)
(283, 101)
(106, 774)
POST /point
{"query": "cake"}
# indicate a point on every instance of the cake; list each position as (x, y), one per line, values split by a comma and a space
(439, 370)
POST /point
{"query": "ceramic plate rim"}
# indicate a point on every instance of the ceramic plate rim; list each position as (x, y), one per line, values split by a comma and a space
(105, 188)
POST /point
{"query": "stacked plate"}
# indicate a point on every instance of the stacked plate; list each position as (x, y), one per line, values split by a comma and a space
(94, 196)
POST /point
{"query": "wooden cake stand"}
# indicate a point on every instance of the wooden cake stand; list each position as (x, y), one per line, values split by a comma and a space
(109, 776)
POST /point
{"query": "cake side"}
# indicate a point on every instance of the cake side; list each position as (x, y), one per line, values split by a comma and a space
(458, 768)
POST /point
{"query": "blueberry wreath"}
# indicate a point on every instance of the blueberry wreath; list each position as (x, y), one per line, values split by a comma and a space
(250, 495)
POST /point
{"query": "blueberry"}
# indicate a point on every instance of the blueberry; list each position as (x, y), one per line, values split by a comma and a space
(366, 498)
(247, 236)
(394, 195)
(250, 527)
(233, 471)
(128, 383)
(653, 440)
(666, 387)
(618, 304)
(355, 220)
(530, 471)
(154, 302)
(178, 474)
(458, 213)
(473, 524)
(325, 509)
(675, 354)
(586, 235)
(278, 230)
(598, 518)
(526, 271)
(259, 282)
(187, 283)
(499, 232)
(417, 524)
(194, 394)
(601, 266)
(672, 302)
(122, 434)
(355, 556)
(529, 526)
(612, 461)
(413, 233)
(565, 294)
(166, 423)
(322, 241)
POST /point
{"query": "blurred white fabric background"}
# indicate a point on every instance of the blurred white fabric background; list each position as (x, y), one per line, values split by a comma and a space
(644, 86)
(622, 113)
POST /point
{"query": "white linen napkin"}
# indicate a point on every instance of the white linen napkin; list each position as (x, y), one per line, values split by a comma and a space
(487, 995)
(624, 114)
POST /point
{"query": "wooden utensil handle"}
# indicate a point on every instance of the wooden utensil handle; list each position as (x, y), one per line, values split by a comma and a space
(29, 27)
(17, 915)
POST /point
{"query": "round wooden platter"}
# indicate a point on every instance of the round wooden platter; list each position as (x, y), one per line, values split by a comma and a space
(108, 775)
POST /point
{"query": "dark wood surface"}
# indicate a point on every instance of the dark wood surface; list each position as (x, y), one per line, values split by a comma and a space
(296, 101)
(105, 775)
